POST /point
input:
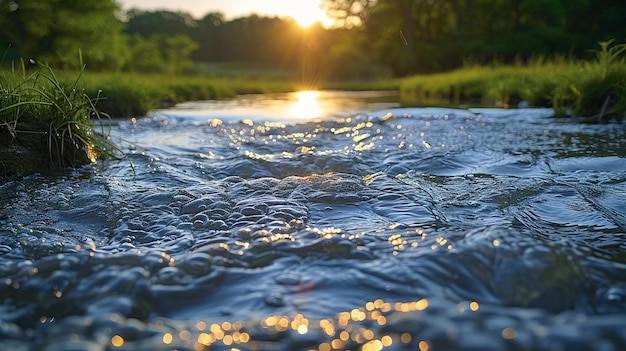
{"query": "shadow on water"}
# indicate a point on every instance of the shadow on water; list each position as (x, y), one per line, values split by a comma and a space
(357, 226)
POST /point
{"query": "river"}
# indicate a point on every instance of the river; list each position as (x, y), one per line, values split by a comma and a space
(328, 221)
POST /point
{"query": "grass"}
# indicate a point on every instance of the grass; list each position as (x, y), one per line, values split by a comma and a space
(48, 121)
(488, 86)
(243, 70)
(134, 94)
(362, 85)
(593, 89)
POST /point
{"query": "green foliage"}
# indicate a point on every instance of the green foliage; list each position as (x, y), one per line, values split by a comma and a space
(608, 55)
(146, 55)
(52, 31)
(345, 60)
(147, 23)
(602, 92)
(161, 53)
(40, 111)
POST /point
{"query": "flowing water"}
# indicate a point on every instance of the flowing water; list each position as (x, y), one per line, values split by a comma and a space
(335, 222)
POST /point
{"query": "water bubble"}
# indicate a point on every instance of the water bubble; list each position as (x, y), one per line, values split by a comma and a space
(615, 295)
(275, 299)
(288, 279)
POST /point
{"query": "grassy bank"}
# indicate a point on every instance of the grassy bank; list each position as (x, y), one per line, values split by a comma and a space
(362, 85)
(48, 123)
(593, 89)
(134, 94)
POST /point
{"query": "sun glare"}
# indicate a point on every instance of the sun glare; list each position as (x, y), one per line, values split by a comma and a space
(305, 21)
(306, 105)
(306, 17)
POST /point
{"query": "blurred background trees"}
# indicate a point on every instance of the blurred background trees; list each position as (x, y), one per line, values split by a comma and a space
(373, 38)
(420, 36)
(55, 31)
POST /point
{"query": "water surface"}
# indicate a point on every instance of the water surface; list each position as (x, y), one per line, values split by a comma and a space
(267, 223)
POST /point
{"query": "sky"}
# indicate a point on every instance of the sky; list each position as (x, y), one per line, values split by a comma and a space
(304, 12)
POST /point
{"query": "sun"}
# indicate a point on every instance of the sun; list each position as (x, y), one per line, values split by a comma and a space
(305, 21)
(306, 17)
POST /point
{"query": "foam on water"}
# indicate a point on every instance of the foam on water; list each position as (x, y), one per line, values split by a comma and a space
(401, 229)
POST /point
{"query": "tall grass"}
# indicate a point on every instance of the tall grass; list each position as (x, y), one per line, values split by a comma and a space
(501, 86)
(595, 89)
(41, 115)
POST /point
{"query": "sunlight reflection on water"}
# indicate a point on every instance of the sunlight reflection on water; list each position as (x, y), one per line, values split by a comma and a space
(307, 105)
(286, 107)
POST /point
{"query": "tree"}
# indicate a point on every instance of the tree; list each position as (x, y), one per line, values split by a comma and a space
(391, 20)
(160, 53)
(176, 51)
(162, 40)
(148, 23)
(206, 34)
(54, 31)
(146, 55)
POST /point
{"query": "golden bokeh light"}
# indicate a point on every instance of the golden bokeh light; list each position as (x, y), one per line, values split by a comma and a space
(509, 333)
(406, 338)
(359, 326)
(167, 338)
(117, 341)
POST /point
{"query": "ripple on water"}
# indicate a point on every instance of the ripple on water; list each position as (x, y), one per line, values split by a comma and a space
(406, 229)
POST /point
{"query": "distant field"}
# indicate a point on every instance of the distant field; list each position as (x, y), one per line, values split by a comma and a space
(241, 70)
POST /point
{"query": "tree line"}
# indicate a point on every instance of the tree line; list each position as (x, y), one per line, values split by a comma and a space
(374, 37)
(438, 35)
